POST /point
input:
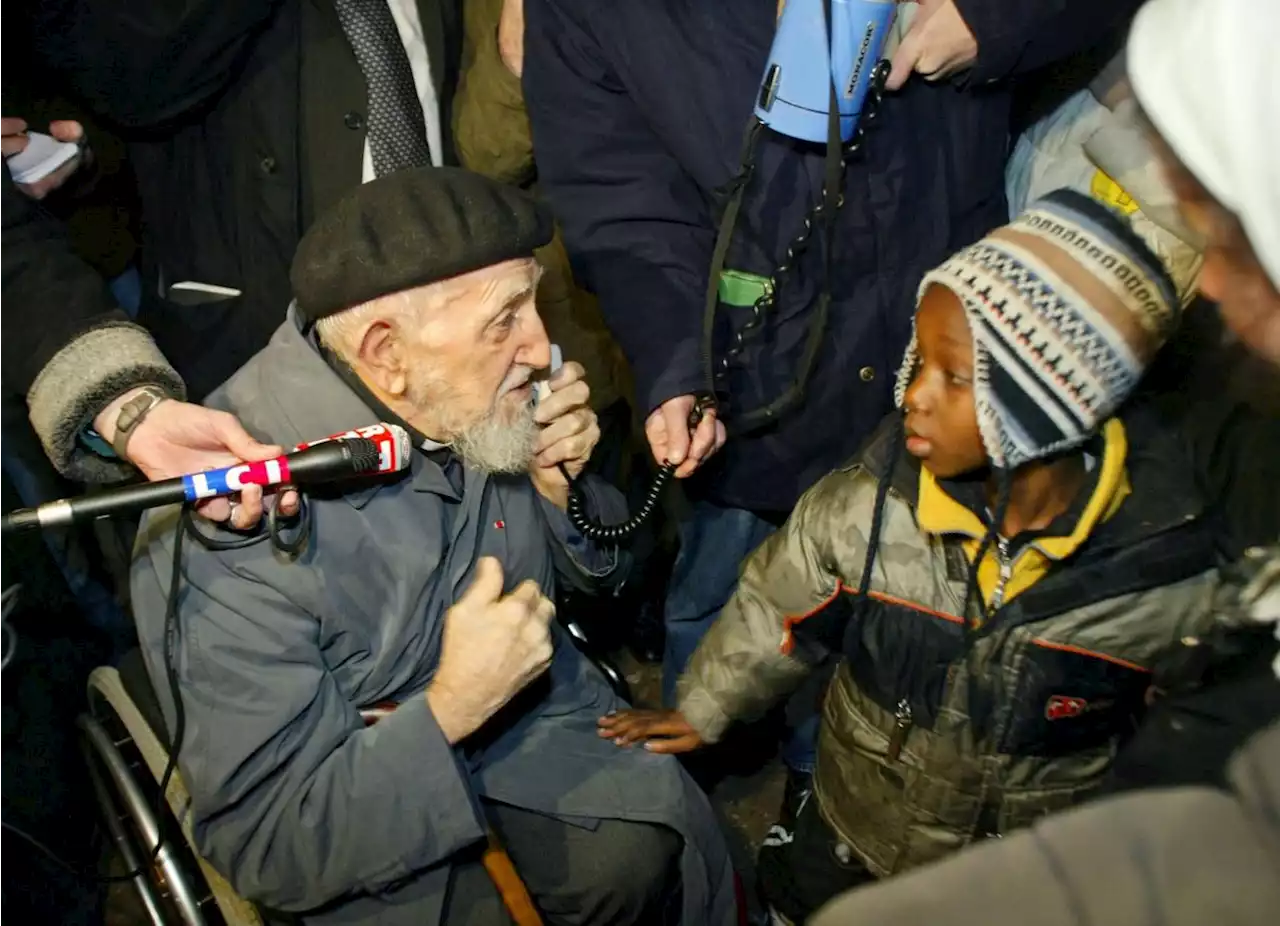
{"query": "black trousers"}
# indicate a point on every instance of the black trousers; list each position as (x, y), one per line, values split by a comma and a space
(1188, 737)
(799, 877)
(618, 874)
(46, 792)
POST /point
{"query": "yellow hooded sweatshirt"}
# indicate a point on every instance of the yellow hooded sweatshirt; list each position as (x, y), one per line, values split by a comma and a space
(1002, 577)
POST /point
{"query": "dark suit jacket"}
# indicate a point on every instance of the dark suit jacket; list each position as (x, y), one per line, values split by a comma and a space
(245, 118)
(51, 296)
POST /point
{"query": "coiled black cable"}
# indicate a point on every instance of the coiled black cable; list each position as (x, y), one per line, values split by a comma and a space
(617, 533)
(9, 600)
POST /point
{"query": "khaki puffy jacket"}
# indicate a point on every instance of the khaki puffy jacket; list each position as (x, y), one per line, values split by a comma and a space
(929, 742)
(491, 134)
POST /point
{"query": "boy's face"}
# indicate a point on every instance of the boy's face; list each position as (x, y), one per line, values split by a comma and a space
(941, 419)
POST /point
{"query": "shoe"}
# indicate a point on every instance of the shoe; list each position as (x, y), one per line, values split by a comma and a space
(796, 794)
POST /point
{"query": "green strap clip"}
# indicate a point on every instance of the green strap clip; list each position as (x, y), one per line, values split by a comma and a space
(741, 289)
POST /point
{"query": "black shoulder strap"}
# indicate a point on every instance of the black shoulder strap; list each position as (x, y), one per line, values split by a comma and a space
(724, 237)
(833, 176)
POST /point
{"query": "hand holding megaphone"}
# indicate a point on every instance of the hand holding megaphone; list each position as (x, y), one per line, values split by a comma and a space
(938, 44)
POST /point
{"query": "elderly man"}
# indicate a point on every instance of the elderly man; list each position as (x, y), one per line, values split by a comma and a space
(415, 305)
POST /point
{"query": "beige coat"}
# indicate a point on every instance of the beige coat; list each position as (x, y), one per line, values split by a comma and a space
(491, 134)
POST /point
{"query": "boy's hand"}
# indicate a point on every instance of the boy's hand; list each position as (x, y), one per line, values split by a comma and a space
(662, 731)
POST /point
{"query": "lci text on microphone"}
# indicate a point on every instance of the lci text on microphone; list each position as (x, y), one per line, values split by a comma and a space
(368, 451)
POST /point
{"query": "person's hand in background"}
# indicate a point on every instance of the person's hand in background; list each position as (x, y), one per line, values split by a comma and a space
(938, 45)
(511, 35)
(177, 438)
(667, 429)
(14, 141)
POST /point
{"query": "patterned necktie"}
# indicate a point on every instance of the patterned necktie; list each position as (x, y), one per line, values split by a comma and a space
(397, 129)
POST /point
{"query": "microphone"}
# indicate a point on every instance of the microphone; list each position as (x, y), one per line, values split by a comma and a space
(369, 451)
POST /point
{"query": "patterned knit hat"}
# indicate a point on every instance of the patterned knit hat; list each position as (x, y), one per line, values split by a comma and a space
(1067, 307)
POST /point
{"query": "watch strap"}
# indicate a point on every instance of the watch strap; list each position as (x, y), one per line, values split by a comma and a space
(132, 414)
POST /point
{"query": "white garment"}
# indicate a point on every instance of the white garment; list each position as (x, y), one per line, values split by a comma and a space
(409, 25)
(1207, 73)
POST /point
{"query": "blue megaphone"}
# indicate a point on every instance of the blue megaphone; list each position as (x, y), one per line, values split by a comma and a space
(803, 64)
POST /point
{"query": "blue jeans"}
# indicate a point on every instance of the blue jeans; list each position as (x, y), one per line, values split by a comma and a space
(713, 543)
(34, 481)
(127, 290)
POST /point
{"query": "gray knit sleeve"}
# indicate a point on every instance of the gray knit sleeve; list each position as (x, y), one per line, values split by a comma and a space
(82, 378)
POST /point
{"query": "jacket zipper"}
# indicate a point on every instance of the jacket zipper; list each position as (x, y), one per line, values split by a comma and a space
(903, 719)
(1006, 570)
(902, 722)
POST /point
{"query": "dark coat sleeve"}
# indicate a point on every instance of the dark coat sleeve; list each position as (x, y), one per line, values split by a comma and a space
(1018, 36)
(634, 222)
(146, 64)
(1235, 450)
(50, 295)
(1223, 401)
(1175, 857)
(68, 349)
(293, 798)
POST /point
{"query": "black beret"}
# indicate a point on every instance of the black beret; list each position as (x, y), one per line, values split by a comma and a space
(408, 229)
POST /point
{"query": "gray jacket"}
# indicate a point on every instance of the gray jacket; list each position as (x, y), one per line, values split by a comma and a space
(1175, 857)
(295, 801)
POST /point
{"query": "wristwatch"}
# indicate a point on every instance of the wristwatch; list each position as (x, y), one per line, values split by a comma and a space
(132, 414)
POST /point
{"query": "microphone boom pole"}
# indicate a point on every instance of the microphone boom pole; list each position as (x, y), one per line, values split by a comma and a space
(368, 451)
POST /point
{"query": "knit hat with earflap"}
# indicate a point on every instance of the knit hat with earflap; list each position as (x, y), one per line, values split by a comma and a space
(1067, 307)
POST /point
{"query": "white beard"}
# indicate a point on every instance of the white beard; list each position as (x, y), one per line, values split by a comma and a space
(503, 441)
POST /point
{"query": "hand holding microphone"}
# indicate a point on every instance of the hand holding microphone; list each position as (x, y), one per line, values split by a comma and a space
(569, 430)
(381, 448)
(179, 437)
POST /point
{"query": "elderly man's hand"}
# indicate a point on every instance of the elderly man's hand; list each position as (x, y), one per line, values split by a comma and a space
(177, 438)
(494, 645)
(569, 433)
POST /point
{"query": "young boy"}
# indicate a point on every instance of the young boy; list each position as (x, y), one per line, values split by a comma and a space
(1001, 571)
